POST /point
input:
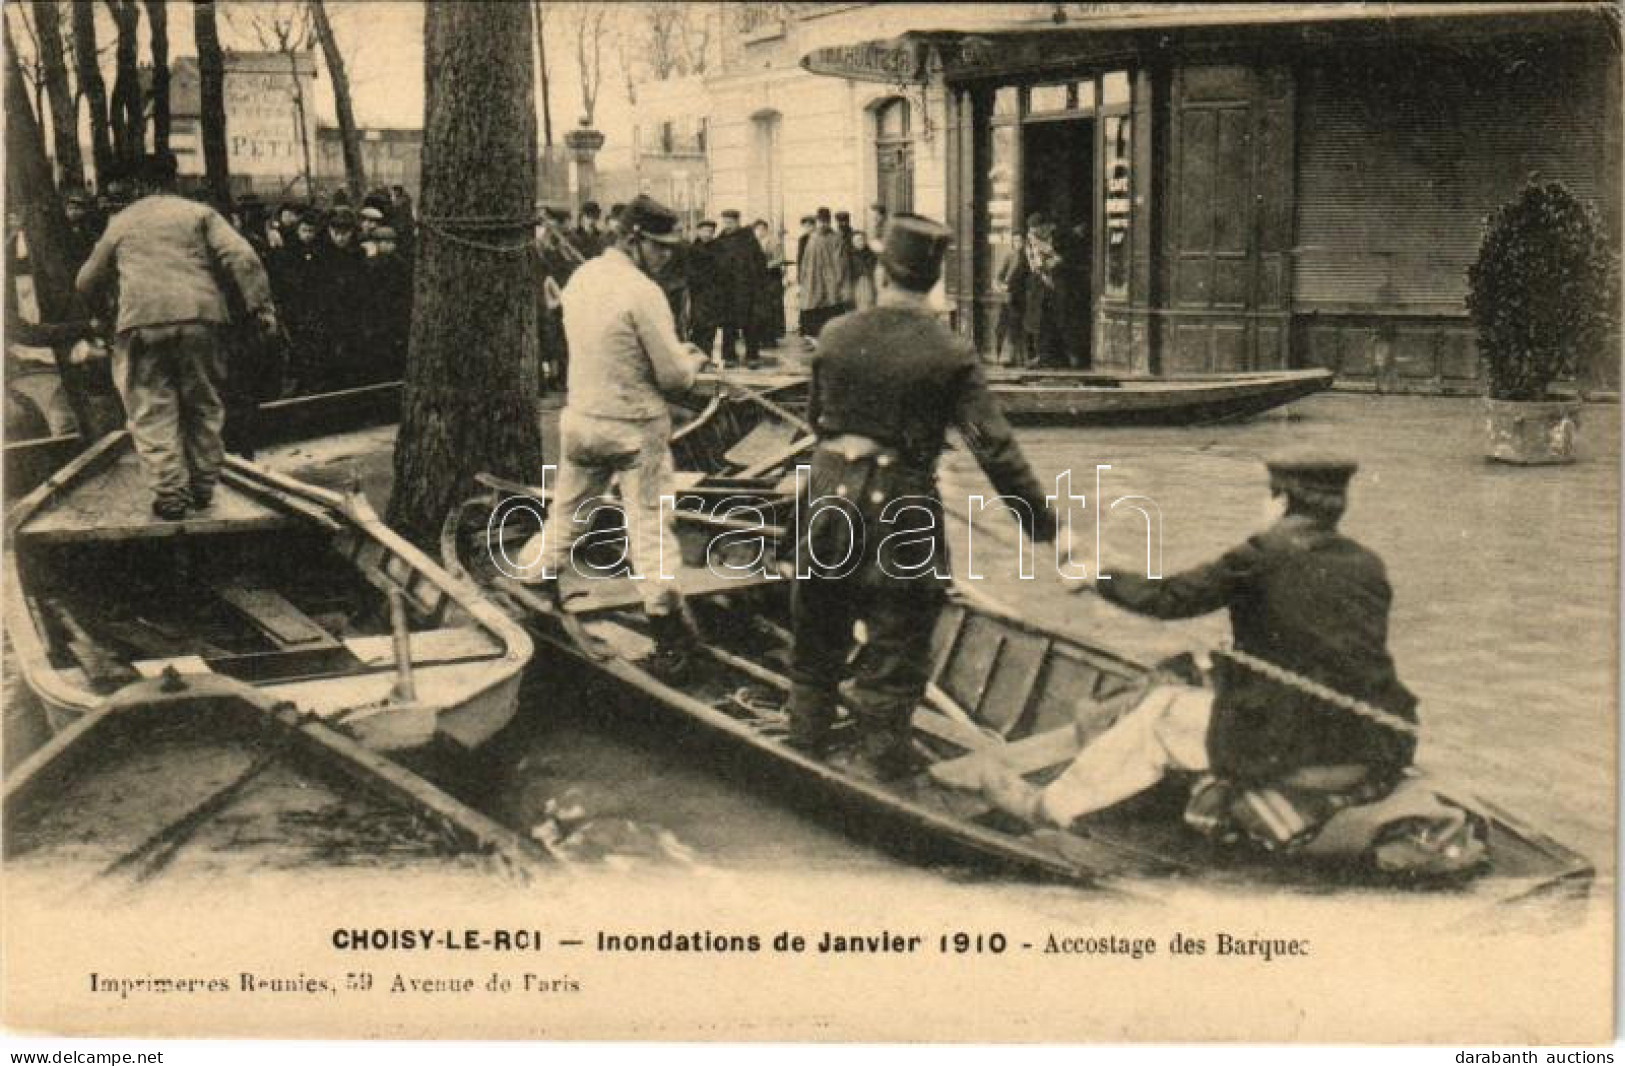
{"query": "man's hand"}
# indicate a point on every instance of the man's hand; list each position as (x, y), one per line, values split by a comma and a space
(698, 359)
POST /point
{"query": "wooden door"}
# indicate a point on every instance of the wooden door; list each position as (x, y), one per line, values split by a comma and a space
(1229, 219)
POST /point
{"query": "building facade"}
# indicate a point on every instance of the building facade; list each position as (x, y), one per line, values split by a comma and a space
(1240, 186)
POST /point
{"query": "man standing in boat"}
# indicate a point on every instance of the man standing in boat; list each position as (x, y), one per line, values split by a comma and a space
(625, 359)
(1307, 716)
(886, 385)
(167, 255)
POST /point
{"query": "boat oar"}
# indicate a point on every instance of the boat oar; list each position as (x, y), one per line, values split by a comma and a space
(755, 396)
(405, 690)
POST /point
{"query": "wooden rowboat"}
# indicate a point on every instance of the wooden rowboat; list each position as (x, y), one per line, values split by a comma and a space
(1086, 398)
(29, 462)
(295, 590)
(232, 782)
(1000, 688)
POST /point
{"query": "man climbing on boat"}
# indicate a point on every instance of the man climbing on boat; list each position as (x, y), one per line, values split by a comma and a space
(168, 256)
(1307, 716)
(886, 385)
(626, 359)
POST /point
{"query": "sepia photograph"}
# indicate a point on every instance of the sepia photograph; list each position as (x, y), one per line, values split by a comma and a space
(978, 523)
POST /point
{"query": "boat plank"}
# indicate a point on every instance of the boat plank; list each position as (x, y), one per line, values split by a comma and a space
(118, 506)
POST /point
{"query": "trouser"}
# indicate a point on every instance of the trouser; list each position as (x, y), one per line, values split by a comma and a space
(892, 669)
(1166, 731)
(814, 319)
(166, 376)
(596, 453)
(731, 334)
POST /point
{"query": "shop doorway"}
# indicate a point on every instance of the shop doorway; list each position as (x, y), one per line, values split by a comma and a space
(1059, 182)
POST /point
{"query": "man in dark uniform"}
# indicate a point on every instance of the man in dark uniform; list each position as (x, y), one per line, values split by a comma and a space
(387, 320)
(704, 288)
(871, 544)
(1308, 612)
(740, 265)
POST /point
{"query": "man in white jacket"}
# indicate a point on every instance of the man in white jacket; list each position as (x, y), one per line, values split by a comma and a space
(625, 358)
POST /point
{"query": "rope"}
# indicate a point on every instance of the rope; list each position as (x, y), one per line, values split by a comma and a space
(520, 248)
(1294, 680)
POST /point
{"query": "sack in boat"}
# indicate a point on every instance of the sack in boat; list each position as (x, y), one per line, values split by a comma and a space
(1402, 830)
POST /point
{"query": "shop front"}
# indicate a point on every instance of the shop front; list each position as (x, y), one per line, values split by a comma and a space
(1250, 189)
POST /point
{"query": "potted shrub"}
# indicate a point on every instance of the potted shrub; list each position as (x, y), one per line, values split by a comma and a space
(1541, 298)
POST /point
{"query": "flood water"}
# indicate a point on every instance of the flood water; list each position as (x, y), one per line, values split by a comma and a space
(1504, 624)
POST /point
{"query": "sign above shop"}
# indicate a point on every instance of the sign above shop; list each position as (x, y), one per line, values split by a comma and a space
(893, 62)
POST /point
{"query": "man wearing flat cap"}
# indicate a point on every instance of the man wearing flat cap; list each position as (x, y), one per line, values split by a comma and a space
(625, 360)
(1311, 605)
(887, 383)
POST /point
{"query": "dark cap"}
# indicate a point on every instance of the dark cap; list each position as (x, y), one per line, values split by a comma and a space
(647, 218)
(843, 216)
(807, 220)
(1314, 476)
(342, 218)
(706, 223)
(914, 249)
(312, 216)
(590, 209)
(731, 213)
(823, 214)
(378, 198)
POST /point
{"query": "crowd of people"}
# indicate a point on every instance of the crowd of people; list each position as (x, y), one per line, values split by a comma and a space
(725, 281)
(341, 279)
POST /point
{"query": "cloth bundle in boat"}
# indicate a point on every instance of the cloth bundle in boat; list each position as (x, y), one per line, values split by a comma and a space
(1401, 829)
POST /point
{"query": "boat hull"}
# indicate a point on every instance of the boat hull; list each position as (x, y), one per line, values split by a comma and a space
(233, 781)
(467, 658)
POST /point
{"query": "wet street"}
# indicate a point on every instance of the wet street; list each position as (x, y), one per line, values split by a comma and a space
(1504, 625)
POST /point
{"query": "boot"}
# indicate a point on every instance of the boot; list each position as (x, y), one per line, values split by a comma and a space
(812, 719)
(673, 658)
(886, 738)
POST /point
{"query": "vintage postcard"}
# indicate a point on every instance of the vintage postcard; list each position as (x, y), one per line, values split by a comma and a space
(816, 522)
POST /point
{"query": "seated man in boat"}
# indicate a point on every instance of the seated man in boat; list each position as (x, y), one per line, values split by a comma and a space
(168, 256)
(625, 358)
(886, 385)
(1307, 716)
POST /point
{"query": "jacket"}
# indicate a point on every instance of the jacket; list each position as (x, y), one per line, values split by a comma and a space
(1306, 598)
(170, 257)
(896, 375)
(740, 266)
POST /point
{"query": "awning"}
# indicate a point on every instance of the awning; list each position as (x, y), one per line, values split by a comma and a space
(1022, 48)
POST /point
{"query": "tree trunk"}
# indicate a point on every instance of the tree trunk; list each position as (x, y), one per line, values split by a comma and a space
(158, 27)
(95, 91)
(355, 174)
(541, 60)
(129, 124)
(471, 392)
(31, 192)
(212, 76)
(64, 109)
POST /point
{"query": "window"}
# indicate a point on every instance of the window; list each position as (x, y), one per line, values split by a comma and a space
(894, 156)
